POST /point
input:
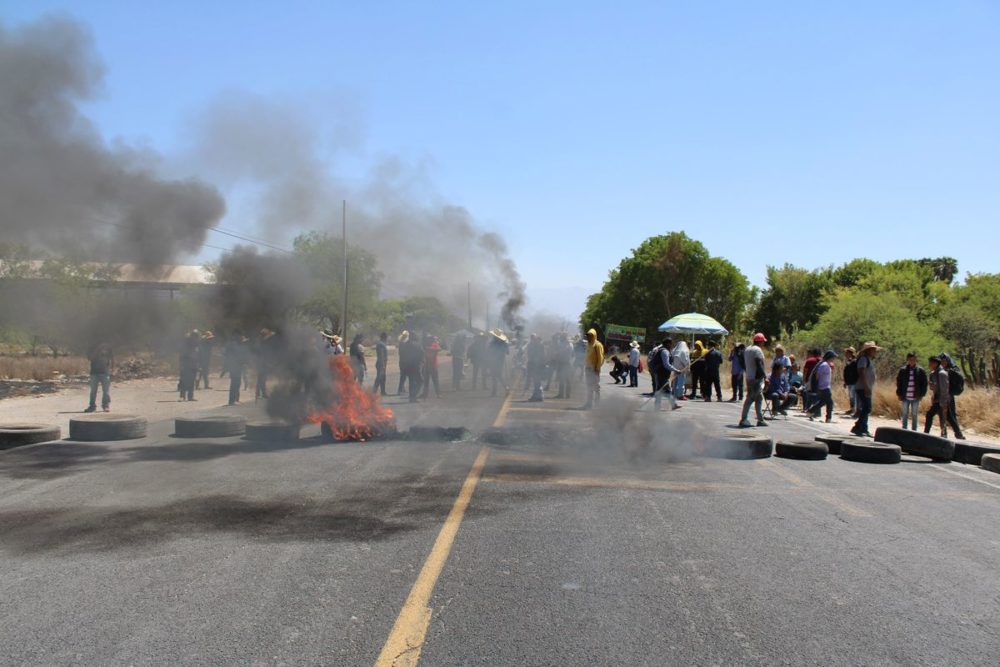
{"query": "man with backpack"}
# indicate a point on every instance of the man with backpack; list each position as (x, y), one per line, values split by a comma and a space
(658, 373)
(911, 387)
(950, 383)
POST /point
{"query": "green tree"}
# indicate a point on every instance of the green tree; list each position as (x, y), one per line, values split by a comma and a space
(666, 276)
(794, 298)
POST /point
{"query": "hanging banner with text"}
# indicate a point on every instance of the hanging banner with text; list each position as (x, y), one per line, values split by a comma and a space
(618, 332)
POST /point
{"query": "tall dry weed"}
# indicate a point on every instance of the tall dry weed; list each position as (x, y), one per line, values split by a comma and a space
(41, 368)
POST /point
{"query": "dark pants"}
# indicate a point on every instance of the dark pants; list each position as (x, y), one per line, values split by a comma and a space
(633, 376)
(708, 381)
(478, 371)
(411, 375)
(235, 382)
(457, 371)
(945, 415)
(864, 409)
(619, 376)
(403, 374)
(780, 405)
(432, 376)
(261, 383)
(823, 397)
(203, 372)
(697, 373)
(379, 387)
(186, 384)
(104, 381)
(738, 386)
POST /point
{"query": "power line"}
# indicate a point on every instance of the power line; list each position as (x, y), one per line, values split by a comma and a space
(250, 240)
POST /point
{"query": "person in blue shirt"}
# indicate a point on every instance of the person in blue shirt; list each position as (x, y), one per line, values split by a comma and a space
(779, 391)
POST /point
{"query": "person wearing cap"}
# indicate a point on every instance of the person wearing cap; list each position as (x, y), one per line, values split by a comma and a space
(710, 377)
(205, 359)
(911, 387)
(593, 362)
(665, 387)
(865, 388)
(381, 362)
(753, 362)
(822, 391)
(851, 378)
(633, 364)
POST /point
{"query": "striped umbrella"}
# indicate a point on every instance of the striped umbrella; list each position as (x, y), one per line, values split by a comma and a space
(693, 323)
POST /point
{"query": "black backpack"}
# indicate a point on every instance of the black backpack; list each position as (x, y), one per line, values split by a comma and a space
(956, 382)
(851, 373)
(654, 362)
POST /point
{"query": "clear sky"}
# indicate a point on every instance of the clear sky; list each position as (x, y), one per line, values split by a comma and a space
(799, 132)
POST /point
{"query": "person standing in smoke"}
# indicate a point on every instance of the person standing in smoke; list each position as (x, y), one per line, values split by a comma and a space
(593, 364)
(457, 362)
(496, 359)
(410, 358)
(381, 361)
(580, 355)
(431, 349)
(188, 366)
(535, 353)
(563, 356)
(234, 361)
(403, 339)
(477, 357)
(205, 358)
(102, 365)
(357, 358)
(264, 355)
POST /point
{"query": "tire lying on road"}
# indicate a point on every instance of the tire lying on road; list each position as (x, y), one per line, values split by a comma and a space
(213, 426)
(915, 442)
(738, 447)
(832, 442)
(806, 451)
(95, 428)
(272, 431)
(991, 462)
(972, 452)
(866, 451)
(18, 435)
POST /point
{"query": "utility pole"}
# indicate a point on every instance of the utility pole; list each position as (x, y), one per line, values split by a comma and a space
(468, 287)
(343, 312)
(487, 314)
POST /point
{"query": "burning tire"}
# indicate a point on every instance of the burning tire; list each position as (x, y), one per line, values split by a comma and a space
(438, 433)
(272, 431)
(832, 442)
(215, 426)
(972, 453)
(990, 462)
(97, 428)
(865, 451)
(739, 447)
(805, 451)
(915, 442)
(18, 435)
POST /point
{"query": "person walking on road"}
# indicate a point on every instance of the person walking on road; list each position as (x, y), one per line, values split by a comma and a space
(865, 388)
(710, 375)
(205, 359)
(102, 366)
(851, 379)
(944, 402)
(431, 350)
(593, 362)
(458, 363)
(821, 380)
(736, 371)
(663, 369)
(410, 359)
(633, 364)
(381, 362)
(357, 358)
(911, 387)
(403, 339)
(234, 362)
(753, 362)
(477, 357)
(535, 354)
(188, 366)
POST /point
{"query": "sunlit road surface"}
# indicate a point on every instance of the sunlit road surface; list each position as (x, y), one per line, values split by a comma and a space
(215, 552)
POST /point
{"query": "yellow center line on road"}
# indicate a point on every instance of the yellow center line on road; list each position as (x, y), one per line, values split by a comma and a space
(402, 648)
(823, 494)
(504, 409)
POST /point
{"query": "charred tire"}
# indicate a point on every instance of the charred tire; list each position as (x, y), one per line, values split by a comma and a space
(739, 447)
(972, 453)
(805, 451)
(272, 431)
(215, 426)
(97, 428)
(18, 435)
(438, 433)
(832, 442)
(991, 462)
(865, 451)
(915, 442)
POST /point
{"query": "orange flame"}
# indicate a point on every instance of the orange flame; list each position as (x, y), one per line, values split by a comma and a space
(354, 414)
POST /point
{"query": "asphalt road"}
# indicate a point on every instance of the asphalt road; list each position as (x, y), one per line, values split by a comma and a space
(551, 551)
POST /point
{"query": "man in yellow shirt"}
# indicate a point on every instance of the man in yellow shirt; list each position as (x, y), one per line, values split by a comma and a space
(592, 369)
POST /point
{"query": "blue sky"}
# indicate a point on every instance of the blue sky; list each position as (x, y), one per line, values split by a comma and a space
(797, 132)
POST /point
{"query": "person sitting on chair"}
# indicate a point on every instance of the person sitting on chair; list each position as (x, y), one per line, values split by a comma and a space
(779, 392)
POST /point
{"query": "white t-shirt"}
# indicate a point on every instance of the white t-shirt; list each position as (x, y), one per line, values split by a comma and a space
(750, 357)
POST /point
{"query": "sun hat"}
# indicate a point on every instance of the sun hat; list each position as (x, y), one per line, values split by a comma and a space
(634, 343)
(869, 345)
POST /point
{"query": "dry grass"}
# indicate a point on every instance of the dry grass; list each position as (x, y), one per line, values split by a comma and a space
(978, 409)
(41, 368)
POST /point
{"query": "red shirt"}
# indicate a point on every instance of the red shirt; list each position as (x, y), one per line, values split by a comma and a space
(808, 366)
(431, 352)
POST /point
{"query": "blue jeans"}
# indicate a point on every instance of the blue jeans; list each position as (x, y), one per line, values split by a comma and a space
(852, 394)
(864, 409)
(910, 409)
(104, 380)
(678, 383)
(633, 376)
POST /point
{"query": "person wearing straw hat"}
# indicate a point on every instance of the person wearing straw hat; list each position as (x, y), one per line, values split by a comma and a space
(633, 364)
(865, 388)
(496, 359)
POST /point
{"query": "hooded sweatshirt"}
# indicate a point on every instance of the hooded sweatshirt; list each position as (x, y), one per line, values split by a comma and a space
(595, 352)
(681, 357)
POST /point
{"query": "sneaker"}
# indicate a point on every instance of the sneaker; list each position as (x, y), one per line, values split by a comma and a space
(761, 422)
(91, 409)
(959, 436)
(745, 424)
(677, 407)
